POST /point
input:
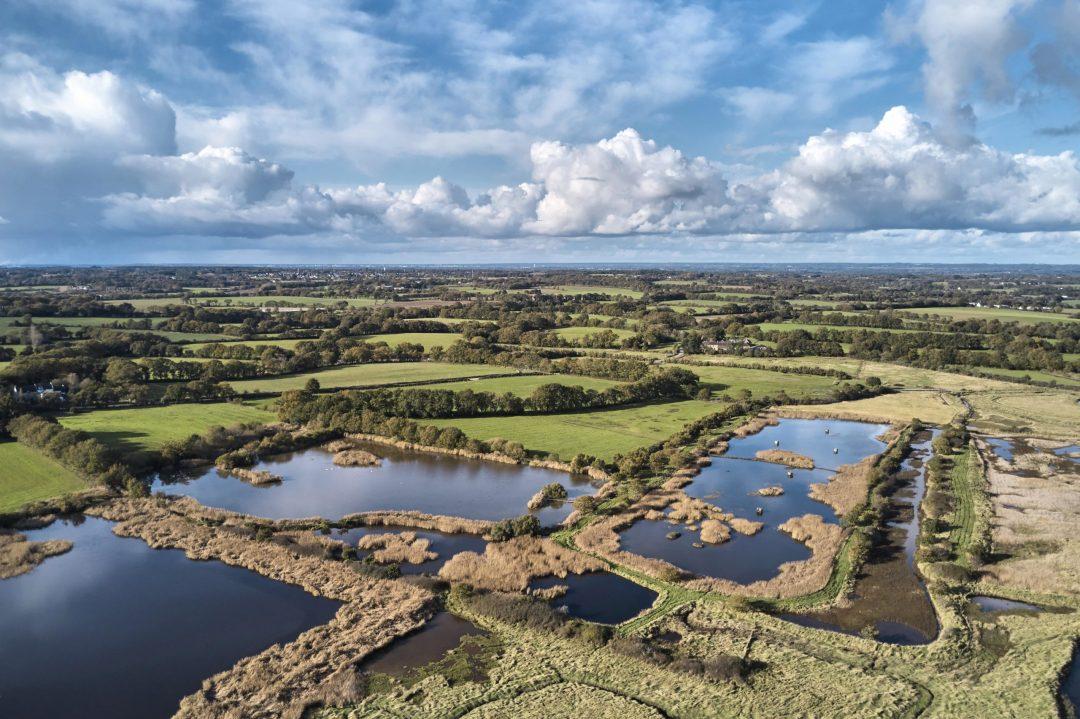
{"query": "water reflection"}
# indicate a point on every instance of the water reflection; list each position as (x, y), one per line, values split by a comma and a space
(443, 544)
(314, 486)
(116, 629)
(599, 596)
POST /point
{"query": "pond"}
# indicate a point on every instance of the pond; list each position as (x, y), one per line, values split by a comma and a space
(314, 486)
(114, 628)
(889, 595)
(732, 481)
(430, 643)
(443, 544)
(997, 605)
(815, 438)
(600, 597)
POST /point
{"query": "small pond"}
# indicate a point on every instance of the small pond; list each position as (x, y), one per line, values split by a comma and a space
(889, 595)
(116, 629)
(997, 605)
(599, 596)
(443, 544)
(852, 441)
(314, 486)
(430, 643)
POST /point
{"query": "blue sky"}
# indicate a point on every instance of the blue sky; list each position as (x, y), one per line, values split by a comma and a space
(338, 131)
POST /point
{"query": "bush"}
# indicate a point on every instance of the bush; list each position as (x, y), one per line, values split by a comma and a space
(525, 525)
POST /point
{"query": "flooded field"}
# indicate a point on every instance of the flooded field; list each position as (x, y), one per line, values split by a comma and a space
(733, 481)
(599, 596)
(443, 544)
(889, 595)
(116, 629)
(313, 486)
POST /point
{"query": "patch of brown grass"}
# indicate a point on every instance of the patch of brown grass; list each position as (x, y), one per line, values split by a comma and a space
(404, 547)
(356, 458)
(846, 490)
(510, 566)
(785, 456)
(19, 556)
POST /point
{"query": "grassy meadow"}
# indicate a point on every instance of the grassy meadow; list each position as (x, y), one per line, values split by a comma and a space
(427, 339)
(366, 375)
(602, 433)
(1002, 314)
(524, 385)
(27, 475)
(147, 428)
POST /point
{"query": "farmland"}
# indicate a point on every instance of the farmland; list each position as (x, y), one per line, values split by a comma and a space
(151, 427)
(26, 475)
(368, 375)
(601, 433)
(1002, 314)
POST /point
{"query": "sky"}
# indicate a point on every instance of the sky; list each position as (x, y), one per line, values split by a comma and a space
(334, 131)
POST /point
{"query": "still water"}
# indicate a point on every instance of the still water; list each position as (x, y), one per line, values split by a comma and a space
(731, 482)
(116, 629)
(599, 596)
(314, 486)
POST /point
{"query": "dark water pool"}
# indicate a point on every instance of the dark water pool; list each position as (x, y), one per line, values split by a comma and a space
(443, 544)
(314, 486)
(1070, 687)
(999, 605)
(599, 596)
(430, 643)
(852, 441)
(116, 629)
(889, 594)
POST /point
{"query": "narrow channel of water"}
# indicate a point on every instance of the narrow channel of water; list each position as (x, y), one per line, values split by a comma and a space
(889, 595)
(1070, 687)
(599, 596)
(313, 486)
(116, 629)
(443, 544)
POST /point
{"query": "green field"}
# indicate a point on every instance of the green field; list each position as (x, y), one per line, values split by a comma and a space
(762, 382)
(27, 475)
(575, 333)
(602, 433)
(283, 343)
(283, 300)
(1035, 375)
(992, 313)
(525, 385)
(150, 427)
(427, 339)
(365, 375)
(144, 303)
(576, 290)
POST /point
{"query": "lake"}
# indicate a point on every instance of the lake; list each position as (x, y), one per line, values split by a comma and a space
(731, 483)
(313, 486)
(116, 629)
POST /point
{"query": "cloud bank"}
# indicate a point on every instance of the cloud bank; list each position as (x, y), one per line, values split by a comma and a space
(91, 155)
